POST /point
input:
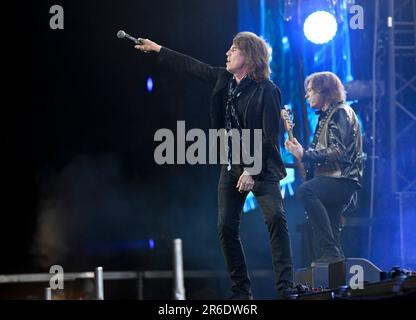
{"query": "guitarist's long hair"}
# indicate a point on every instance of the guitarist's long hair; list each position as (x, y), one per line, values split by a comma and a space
(328, 86)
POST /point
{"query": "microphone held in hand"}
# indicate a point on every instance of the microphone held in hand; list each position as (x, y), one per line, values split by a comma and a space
(123, 35)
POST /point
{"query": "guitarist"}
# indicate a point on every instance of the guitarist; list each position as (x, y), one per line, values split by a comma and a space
(335, 157)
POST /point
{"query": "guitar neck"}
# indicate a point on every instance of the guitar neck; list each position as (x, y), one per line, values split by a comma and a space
(302, 170)
(288, 123)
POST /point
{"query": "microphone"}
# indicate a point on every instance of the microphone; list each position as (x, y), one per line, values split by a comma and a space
(122, 35)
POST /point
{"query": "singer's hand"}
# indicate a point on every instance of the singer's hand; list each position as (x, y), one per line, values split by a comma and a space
(245, 182)
(147, 46)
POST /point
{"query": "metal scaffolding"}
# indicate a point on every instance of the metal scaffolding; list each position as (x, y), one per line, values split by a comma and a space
(393, 118)
(401, 23)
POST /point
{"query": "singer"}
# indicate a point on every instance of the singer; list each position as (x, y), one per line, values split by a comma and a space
(244, 98)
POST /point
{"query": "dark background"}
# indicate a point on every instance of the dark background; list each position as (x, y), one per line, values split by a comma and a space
(81, 168)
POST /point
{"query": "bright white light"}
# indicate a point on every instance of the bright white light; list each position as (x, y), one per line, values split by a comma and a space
(320, 27)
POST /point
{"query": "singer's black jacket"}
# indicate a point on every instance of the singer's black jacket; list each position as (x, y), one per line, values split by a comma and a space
(262, 110)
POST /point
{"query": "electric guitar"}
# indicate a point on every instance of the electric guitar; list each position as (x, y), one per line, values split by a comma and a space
(287, 118)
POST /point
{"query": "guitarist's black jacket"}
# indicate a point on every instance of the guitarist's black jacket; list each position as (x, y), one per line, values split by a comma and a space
(261, 107)
(338, 152)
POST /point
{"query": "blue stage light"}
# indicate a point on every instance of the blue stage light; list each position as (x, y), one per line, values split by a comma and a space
(320, 27)
(250, 203)
(270, 50)
(285, 44)
(149, 84)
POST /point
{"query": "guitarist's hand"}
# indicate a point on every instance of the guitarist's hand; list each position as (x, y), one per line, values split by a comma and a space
(294, 148)
(245, 182)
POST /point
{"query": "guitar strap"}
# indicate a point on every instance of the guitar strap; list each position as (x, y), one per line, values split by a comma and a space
(322, 123)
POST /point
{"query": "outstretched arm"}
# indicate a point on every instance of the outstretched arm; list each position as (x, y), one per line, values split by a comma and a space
(181, 62)
(148, 46)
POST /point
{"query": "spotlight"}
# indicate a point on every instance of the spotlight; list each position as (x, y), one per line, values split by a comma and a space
(320, 27)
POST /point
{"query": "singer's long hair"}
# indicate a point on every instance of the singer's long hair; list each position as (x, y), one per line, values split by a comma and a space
(256, 53)
(327, 85)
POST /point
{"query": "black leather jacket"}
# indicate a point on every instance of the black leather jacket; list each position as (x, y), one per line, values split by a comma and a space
(338, 151)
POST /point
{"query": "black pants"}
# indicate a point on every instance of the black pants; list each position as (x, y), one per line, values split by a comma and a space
(323, 199)
(230, 205)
